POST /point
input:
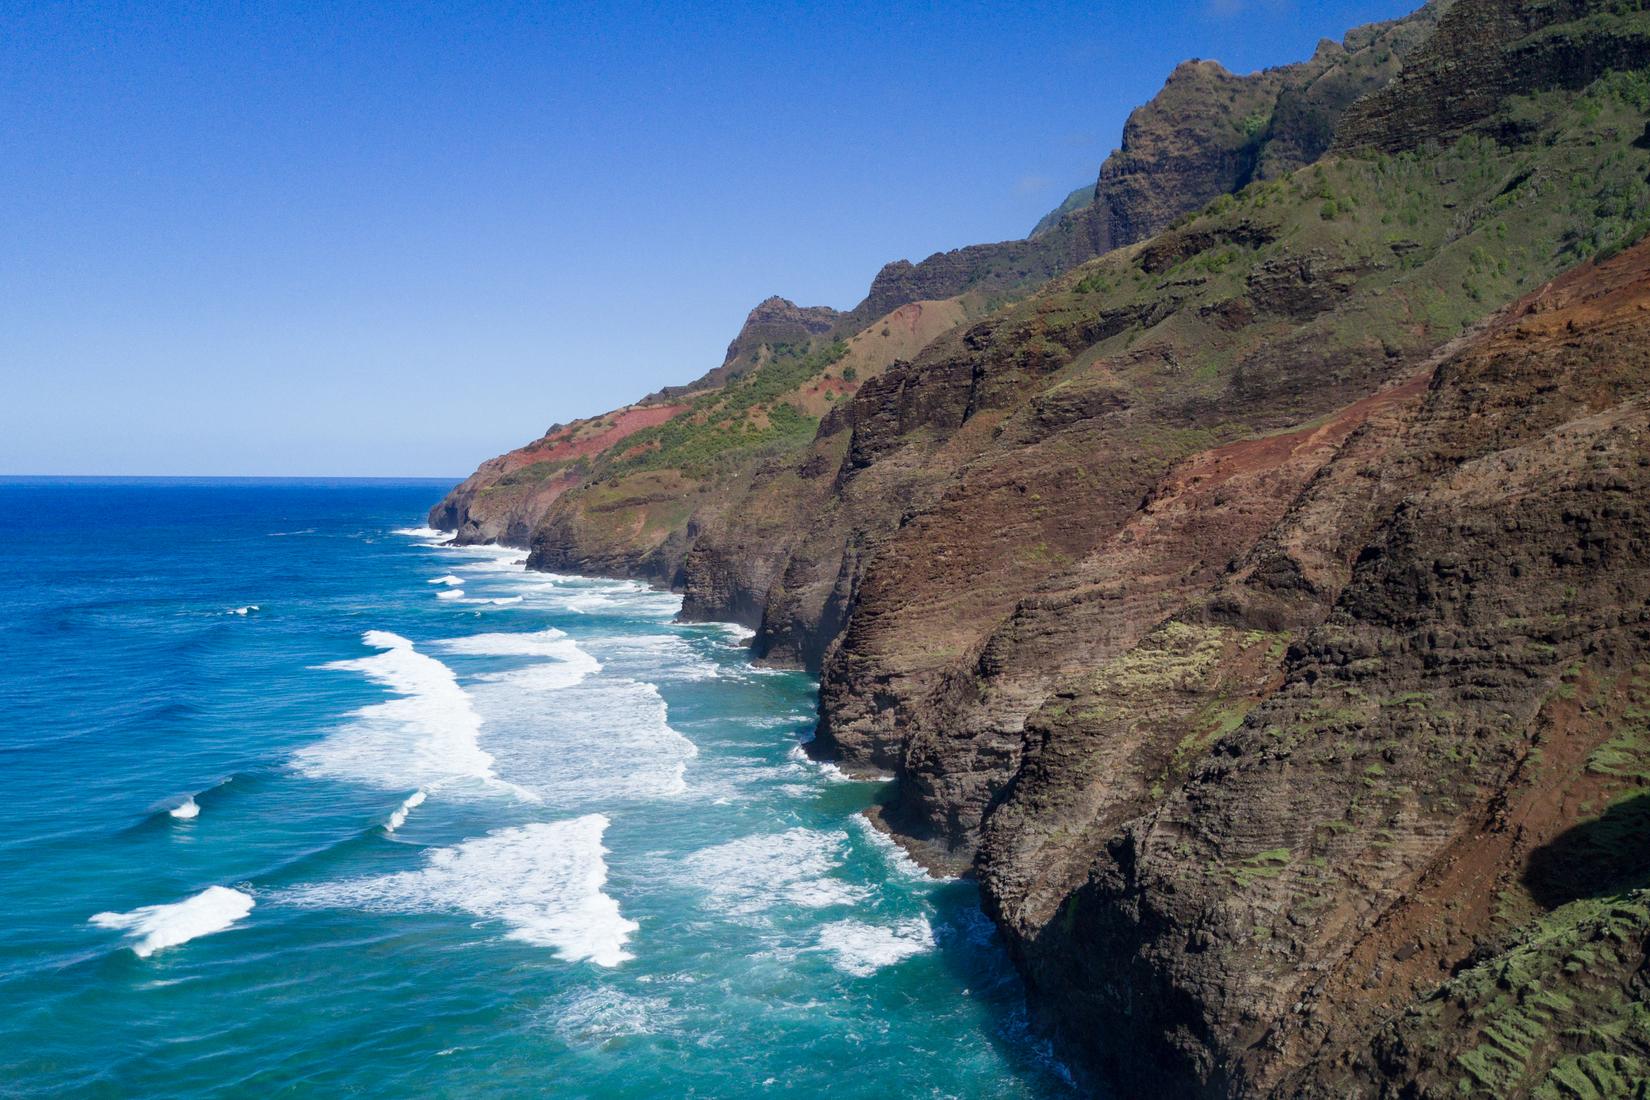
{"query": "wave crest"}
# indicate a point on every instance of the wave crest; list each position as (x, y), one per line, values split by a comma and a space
(545, 881)
(152, 928)
(427, 736)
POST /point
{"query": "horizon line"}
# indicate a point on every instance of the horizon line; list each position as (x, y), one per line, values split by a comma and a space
(231, 477)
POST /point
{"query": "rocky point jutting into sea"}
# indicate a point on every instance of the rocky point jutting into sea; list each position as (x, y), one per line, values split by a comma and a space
(1245, 576)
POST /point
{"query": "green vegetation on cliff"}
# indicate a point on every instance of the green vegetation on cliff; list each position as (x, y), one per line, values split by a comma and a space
(753, 416)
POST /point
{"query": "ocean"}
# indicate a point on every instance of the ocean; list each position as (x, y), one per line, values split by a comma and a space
(296, 801)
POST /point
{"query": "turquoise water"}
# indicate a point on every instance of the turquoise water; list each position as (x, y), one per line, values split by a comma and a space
(295, 801)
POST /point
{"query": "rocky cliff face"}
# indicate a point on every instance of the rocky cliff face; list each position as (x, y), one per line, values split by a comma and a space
(1257, 609)
(1239, 849)
(1490, 52)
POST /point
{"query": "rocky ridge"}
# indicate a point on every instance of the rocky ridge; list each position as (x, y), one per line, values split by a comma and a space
(1207, 133)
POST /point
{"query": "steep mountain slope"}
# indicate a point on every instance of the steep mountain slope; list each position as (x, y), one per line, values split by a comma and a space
(1303, 799)
(1258, 609)
(990, 486)
(1209, 132)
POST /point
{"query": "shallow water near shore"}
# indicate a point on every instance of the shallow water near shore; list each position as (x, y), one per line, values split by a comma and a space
(295, 800)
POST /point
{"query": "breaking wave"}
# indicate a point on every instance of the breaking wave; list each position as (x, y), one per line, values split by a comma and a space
(152, 928)
(427, 736)
(410, 803)
(544, 881)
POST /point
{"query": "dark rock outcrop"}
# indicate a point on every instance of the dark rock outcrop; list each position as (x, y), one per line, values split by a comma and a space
(774, 322)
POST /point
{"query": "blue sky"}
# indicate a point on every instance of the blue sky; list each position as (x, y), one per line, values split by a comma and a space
(395, 239)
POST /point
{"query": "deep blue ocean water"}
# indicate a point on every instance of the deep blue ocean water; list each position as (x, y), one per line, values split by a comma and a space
(295, 801)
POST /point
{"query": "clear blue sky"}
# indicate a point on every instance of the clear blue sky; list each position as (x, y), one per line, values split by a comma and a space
(399, 238)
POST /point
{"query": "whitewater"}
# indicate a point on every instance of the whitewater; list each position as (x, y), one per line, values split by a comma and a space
(413, 819)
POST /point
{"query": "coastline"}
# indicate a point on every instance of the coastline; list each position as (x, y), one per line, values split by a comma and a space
(937, 863)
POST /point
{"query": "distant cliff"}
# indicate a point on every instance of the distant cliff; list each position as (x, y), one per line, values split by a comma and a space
(1246, 577)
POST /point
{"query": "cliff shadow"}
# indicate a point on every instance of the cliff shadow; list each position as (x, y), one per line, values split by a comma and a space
(1607, 854)
(970, 947)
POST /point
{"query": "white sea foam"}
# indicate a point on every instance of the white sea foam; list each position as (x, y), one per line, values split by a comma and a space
(448, 579)
(626, 598)
(598, 1014)
(566, 663)
(585, 741)
(732, 630)
(493, 601)
(540, 643)
(410, 803)
(186, 810)
(654, 657)
(512, 565)
(822, 768)
(450, 594)
(544, 881)
(899, 860)
(832, 773)
(586, 602)
(754, 874)
(247, 610)
(431, 539)
(796, 776)
(490, 550)
(154, 927)
(862, 949)
(427, 736)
